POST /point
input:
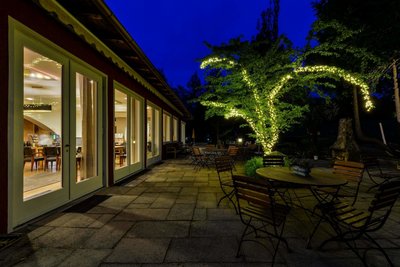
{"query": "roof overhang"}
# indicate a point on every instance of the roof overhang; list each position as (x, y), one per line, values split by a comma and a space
(96, 24)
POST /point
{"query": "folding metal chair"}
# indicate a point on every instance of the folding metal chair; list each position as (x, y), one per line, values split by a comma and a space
(224, 169)
(350, 170)
(351, 224)
(259, 211)
(375, 172)
(233, 153)
(199, 159)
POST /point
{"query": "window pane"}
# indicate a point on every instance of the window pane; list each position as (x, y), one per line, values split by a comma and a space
(149, 146)
(120, 128)
(86, 128)
(183, 132)
(166, 128)
(175, 134)
(135, 130)
(42, 124)
(157, 132)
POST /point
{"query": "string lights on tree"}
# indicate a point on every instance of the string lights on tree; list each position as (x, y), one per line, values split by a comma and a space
(260, 110)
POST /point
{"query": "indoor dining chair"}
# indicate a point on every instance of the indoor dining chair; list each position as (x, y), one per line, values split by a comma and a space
(32, 156)
(51, 154)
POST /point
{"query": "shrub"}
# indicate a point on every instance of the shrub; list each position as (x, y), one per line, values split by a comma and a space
(252, 165)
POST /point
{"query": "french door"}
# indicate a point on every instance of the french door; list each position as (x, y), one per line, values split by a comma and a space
(128, 132)
(55, 131)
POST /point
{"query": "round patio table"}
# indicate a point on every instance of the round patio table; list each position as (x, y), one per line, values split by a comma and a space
(319, 177)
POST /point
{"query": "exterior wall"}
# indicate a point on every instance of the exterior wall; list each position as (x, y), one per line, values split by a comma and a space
(4, 73)
(29, 14)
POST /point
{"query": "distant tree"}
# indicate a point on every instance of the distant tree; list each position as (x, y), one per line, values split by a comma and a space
(182, 92)
(377, 27)
(268, 25)
(194, 86)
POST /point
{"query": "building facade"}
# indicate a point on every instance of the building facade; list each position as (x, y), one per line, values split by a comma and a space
(81, 106)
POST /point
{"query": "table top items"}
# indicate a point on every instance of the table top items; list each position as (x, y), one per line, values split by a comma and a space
(301, 167)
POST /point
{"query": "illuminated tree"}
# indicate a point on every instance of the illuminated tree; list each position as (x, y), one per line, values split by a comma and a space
(264, 89)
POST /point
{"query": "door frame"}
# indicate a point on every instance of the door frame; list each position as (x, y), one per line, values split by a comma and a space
(155, 158)
(130, 169)
(84, 187)
(19, 211)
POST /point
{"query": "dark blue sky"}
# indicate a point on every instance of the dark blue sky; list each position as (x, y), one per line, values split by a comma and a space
(172, 33)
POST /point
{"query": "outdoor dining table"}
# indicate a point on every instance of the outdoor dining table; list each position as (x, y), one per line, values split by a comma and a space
(215, 152)
(318, 177)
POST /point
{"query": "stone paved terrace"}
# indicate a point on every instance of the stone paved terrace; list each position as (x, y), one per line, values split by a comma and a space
(168, 217)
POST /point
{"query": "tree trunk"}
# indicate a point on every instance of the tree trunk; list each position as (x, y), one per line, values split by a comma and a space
(357, 124)
(396, 91)
(345, 147)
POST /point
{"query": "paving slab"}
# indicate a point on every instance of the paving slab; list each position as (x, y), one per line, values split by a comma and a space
(109, 235)
(159, 229)
(139, 250)
(202, 250)
(168, 216)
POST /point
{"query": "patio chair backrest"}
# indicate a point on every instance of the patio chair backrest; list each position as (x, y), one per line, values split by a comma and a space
(351, 170)
(383, 202)
(252, 192)
(273, 160)
(210, 146)
(223, 164)
(196, 151)
(233, 151)
(371, 164)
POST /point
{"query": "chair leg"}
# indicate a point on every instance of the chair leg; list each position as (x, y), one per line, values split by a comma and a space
(379, 248)
(229, 196)
(277, 245)
(241, 239)
(308, 245)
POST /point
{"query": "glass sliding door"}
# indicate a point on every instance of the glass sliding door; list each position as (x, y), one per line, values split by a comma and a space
(86, 127)
(86, 130)
(183, 132)
(37, 128)
(166, 127)
(120, 128)
(175, 130)
(153, 133)
(128, 132)
(55, 129)
(136, 131)
(42, 131)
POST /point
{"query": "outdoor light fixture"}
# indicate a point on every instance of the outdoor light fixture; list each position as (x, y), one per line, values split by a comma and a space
(37, 108)
(240, 140)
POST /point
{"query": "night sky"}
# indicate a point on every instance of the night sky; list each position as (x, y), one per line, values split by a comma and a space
(172, 33)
